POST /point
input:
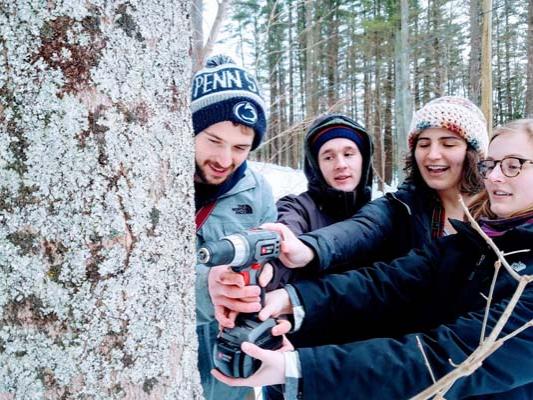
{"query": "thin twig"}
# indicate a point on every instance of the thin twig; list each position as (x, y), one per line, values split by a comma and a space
(517, 331)
(475, 360)
(497, 266)
(425, 358)
(488, 240)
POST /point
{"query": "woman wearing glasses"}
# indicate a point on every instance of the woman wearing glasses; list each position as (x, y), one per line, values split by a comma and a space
(439, 294)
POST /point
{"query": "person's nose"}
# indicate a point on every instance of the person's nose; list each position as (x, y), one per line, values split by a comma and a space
(496, 174)
(225, 157)
(435, 151)
(340, 162)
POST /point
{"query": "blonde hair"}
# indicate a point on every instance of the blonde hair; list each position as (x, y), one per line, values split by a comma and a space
(480, 204)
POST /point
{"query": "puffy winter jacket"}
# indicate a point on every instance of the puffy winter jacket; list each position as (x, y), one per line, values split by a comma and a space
(246, 205)
(321, 205)
(436, 294)
(382, 230)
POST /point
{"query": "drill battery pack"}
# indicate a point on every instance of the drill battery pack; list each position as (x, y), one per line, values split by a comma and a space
(228, 356)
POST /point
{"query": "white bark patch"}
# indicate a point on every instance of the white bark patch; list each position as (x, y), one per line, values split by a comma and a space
(96, 206)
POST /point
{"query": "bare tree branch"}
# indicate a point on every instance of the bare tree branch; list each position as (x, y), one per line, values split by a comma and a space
(491, 343)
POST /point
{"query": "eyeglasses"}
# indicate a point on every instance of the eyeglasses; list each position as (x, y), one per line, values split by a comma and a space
(510, 166)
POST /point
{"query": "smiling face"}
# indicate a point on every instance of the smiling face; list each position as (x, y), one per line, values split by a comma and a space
(340, 162)
(219, 150)
(510, 195)
(440, 155)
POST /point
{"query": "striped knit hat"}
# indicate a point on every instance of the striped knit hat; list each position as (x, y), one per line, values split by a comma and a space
(456, 114)
(223, 91)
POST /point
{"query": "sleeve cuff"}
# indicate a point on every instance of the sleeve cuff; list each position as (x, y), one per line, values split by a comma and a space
(293, 376)
(298, 312)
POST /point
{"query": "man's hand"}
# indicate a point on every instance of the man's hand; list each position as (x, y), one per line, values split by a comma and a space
(230, 296)
(294, 253)
(271, 372)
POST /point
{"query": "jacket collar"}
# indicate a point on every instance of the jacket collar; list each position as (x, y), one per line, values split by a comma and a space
(522, 233)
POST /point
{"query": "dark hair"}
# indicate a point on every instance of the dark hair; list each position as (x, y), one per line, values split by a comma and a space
(471, 181)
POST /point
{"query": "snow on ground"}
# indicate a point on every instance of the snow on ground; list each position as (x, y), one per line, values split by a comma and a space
(284, 180)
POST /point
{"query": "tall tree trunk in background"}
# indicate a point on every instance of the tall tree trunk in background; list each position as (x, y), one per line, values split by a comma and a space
(498, 89)
(292, 137)
(332, 49)
(379, 155)
(388, 145)
(311, 81)
(486, 63)
(427, 48)
(417, 74)
(96, 204)
(508, 56)
(474, 87)
(529, 84)
(404, 108)
(438, 48)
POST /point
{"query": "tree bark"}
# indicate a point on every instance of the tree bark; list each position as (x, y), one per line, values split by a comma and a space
(475, 51)
(404, 107)
(96, 205)
(529, 84)
(486, 63)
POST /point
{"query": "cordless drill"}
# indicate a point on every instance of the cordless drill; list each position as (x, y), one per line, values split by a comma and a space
(246, 253)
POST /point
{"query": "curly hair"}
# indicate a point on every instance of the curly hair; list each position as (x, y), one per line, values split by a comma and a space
(470, 183)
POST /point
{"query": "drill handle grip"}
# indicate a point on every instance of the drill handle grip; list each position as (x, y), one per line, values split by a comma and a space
(251, 277)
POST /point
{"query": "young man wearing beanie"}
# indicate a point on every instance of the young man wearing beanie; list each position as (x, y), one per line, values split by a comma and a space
(229, 121)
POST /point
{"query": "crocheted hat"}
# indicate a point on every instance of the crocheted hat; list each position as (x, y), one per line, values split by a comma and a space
(456, 114)
(223, 91)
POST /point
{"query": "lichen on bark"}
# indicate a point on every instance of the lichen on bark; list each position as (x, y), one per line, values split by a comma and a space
(96, 270)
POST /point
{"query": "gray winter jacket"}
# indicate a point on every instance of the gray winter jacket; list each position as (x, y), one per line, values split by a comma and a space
(248, 204)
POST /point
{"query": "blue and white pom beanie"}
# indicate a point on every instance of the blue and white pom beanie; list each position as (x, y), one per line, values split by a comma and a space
(223, 91)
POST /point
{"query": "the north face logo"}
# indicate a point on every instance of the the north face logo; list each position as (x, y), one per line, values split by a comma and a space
(243, 209)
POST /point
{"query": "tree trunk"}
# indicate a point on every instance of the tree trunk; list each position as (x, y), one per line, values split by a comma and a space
(417, 74)
(96, 204)
(404, 108)
(507, 46)
(486, 63)
(388, 143)
(311, 84)
(529, 85)
(475, 52)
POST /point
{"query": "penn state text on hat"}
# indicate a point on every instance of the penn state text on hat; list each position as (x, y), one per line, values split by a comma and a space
(223, 91)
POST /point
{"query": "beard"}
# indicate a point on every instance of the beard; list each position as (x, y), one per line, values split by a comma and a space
(199, 174)
(201, 177)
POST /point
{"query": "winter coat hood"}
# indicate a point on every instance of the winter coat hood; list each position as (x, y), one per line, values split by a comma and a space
(336, 202)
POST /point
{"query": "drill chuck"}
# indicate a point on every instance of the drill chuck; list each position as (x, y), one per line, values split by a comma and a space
(232, 250)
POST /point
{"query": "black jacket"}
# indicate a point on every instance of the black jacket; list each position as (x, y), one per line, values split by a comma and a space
(384, 229)
(321, 205)
(435, 294)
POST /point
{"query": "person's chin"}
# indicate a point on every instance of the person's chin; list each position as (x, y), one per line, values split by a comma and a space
(217, 179)
(500, 210)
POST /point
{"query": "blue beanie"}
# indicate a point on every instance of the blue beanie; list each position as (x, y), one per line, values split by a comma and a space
(223, 91)
(338, 131)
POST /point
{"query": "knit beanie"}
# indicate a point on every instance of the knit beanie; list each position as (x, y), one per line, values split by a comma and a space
(223, 91)
(456, 114)
(328, 129)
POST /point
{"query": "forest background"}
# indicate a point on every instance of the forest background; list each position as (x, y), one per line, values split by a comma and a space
(355, 57)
